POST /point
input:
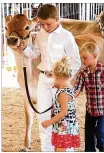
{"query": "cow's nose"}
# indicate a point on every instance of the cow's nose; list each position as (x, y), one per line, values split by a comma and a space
(15, 40)
(12, 41)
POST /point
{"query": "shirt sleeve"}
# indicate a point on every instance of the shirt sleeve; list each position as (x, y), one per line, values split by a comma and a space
(72, 51)
(32, 51)
(79, 83)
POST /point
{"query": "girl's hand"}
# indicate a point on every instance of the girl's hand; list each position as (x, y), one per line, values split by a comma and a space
(46, 123)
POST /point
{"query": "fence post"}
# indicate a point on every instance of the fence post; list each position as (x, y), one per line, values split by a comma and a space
(59, 10)
(83, 11)
(80, 10)
(88, 11)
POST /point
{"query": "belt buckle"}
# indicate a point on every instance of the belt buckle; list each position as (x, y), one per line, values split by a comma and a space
(48, 74)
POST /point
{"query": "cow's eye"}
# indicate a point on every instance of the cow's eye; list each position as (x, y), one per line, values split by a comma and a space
(27, 28)
(99, 20)
(5, 28)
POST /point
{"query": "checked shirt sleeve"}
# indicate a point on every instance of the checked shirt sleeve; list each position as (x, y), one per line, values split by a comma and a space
(79, 83)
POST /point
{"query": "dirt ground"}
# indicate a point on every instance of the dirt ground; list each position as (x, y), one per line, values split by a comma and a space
(13, 121)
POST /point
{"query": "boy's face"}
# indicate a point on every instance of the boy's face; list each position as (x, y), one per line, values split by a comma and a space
(49, 25)
(87, 58)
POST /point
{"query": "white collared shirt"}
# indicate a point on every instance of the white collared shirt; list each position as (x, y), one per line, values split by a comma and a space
(52, 47)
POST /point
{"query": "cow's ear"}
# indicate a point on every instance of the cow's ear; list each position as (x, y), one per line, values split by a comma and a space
(8, 18)
(102, 13)
(97, 18)
(33, 23)
(35, 19)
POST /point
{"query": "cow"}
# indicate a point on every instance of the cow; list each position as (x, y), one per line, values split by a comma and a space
(97, 38)
(18, 28)
(78, 27)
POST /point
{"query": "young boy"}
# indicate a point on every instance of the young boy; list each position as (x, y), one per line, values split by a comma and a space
(52, 43)
(92, 78)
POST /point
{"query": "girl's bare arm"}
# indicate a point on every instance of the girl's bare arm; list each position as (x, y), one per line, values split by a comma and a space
(63, 100)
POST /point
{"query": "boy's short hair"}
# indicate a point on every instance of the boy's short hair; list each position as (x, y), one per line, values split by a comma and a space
(47, 11)
(62, 68)
(90, 47)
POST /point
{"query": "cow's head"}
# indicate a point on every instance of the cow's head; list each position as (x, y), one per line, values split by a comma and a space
(18, 29)
(100, 19)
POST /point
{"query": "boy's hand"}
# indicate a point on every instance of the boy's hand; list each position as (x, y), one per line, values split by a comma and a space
(22, 46)
(33, 37)
(46, 123)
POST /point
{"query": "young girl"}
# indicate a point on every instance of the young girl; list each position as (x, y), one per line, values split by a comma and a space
(65, 133)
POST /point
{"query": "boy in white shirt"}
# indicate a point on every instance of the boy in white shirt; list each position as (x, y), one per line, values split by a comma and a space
(52, 43)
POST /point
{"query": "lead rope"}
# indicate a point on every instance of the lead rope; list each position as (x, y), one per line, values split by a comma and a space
(27, 90)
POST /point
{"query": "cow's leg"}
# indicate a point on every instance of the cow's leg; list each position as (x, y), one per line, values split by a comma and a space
(29, 122)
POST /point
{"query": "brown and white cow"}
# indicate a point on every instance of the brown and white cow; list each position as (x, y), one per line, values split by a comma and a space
(78, 27)
(18, 29)
(97, 38)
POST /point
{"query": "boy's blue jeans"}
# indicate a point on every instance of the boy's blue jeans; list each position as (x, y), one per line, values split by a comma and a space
(94, 133)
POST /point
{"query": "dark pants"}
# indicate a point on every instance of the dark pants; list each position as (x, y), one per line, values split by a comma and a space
(94, 133)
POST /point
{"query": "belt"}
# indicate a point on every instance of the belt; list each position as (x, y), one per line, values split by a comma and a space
(47, 73)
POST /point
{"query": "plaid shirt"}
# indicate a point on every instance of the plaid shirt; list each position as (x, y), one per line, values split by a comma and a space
(94, 88)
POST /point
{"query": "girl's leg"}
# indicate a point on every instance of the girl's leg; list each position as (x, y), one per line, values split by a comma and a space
(70, 149)
(60, 149)
(55, 149)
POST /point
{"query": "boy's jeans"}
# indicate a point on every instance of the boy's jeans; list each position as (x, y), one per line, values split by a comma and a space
(94, 130)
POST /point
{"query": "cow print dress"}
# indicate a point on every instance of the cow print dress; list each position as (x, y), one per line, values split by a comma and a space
(65, 133)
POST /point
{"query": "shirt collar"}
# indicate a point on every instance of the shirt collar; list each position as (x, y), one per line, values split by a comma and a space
(58, 29)
(99, 67)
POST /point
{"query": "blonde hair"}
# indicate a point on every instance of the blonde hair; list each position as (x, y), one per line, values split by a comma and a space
(62, 68)
(90, 47)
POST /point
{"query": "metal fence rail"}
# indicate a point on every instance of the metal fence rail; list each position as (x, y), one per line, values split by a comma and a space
(81, 11)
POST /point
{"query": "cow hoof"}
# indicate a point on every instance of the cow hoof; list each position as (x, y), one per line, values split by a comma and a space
(23, 150)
